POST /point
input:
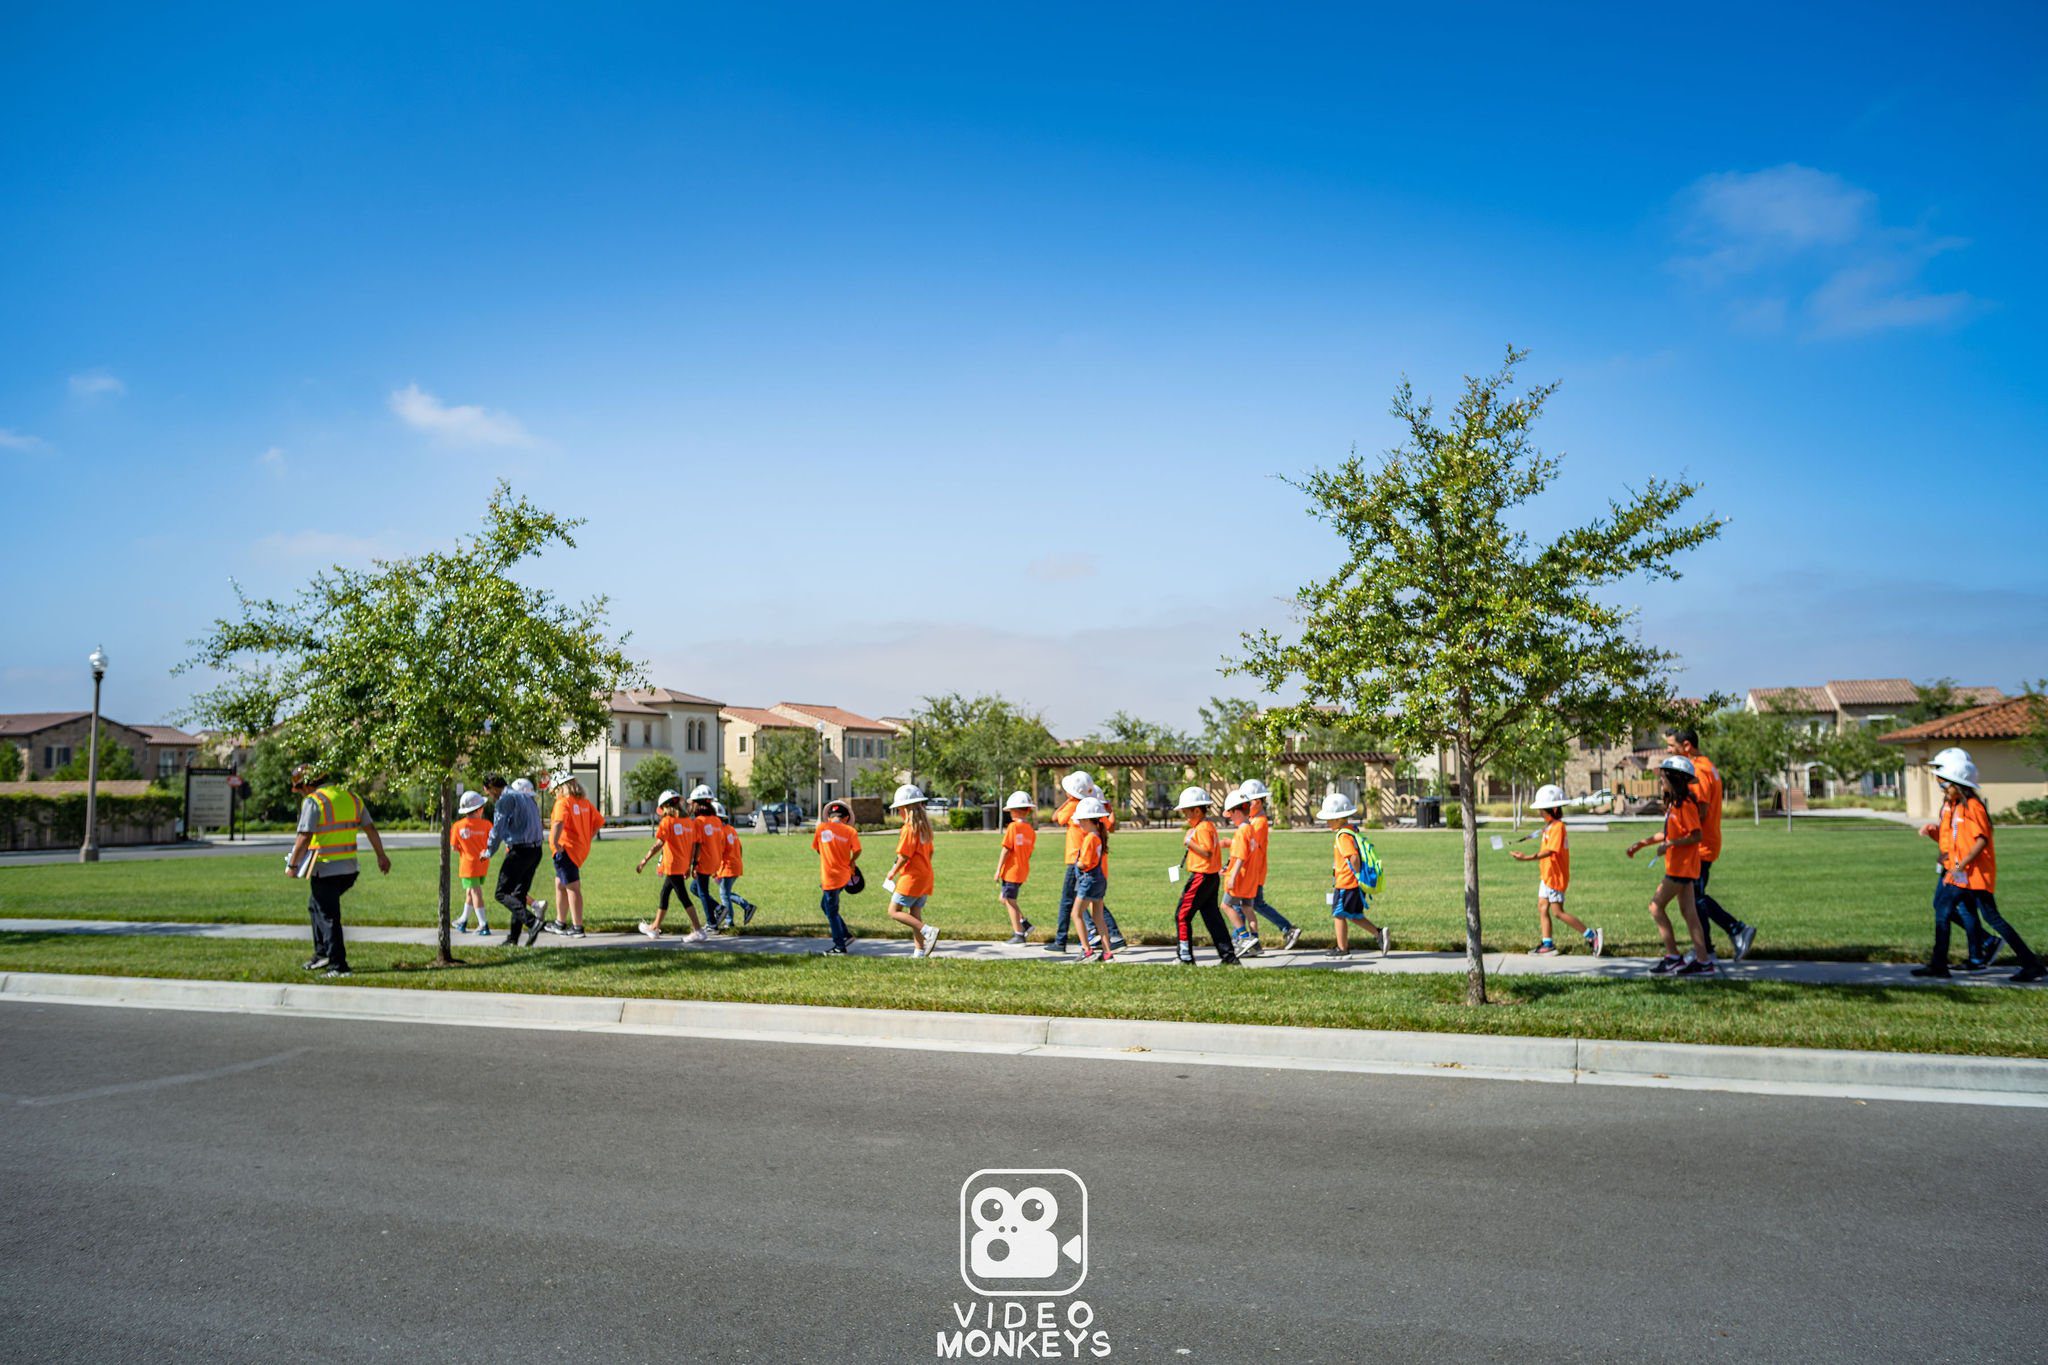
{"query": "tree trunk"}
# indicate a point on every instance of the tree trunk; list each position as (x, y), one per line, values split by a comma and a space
(446, 957)
(1475, 960)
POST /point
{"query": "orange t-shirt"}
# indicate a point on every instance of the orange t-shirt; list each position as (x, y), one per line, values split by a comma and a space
(1554, 857)
(576, 823)
(1243, 880)
(1262, 844)
(1680, 819)
(678, 835)
(1019, 839)
(1343, 853)
(1964, 822)
(733, 863)
(470, 837)
(1205, 852)
(1708, 791)
(1065, 816)
(914, 878)
(838, 844)
(1093, 854)
(710, 844)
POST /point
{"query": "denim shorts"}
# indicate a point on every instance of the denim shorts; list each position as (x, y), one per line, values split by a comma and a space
(1010, 890)
(1091, 885)
(1351, 904)
(566, 870)
(1550, 894)
(911, 903)
(1241, 903)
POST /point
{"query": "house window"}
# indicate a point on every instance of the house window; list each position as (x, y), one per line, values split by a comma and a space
(828, 751)
(743, 749)
(881, 748)
(56, 755)
(647, 733)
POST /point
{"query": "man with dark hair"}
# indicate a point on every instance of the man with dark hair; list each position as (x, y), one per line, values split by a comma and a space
(518, 827)
(330, 818)
(1706, 789)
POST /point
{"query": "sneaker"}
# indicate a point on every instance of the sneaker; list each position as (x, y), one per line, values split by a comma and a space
(555, 926)
(696, 936)
(1386, 940)
(1088, 955)
(1597, 941)
(1744, 936)
(576, 931)
(1117, 941)
(1336, 952)
(1666, 965)
(315, 964)
(836, 950)
(463, 929)
(482, 929)
(649, 929)
(1016, 938)
(2026, 974)
(536, 907)
(1992, 946)
(1108, 955)
(1289, 939)
(533, 933)
(1055, 945)
(1544, 949)
(1186, 953)
(1694, 969)
(337, 971)
(1939, 973)
(747, 915)
(510, 940)
(1027, 926)
(1248, 946)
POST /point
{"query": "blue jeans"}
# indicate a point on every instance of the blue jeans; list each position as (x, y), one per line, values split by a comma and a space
(731, 896)
(1711, 913)
(702, 884)
(829, 903)
(1952, 907)
(1971, 906)
(1259, 907)
(1059, 933)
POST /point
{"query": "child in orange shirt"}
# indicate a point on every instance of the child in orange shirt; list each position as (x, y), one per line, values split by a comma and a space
(1091, 879)
(710, 853)
(1350, 877)
(471, 839)
(1969, 869)
(1013, 866)
(1684, 828)
(675, 839)
(909, 882)
(731, 864)
(1259, 795)
(837, 845)
(1202, 857)
(1241, 873)
(573, 825)
(1554, 859)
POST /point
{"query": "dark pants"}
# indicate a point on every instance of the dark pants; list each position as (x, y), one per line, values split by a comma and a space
(829, 903)
(1260, 907)
(515, 879)
(675, 884)
(324, 906)
(1199, 898)
(1974, 907)
(1059, 933)
(702, 882)
(1711, 913)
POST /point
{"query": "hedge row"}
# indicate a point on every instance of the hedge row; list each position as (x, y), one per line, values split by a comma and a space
(32, 820)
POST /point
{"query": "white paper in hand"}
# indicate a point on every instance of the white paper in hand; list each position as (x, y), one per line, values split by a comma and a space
(1498, 843)
(1173, 873)
(889, 885)
(1329, 898)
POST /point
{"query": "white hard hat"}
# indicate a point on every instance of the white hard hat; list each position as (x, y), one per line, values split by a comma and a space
(1077, 785)
(1337, 806)
(1091, 808)
(700, 792)
(1960, 771)
(1953, 755)
(668, 794)
(1020, 801)
(1236, 798)
(907, 795)
(1550, 796)
(1673, 763)
(718, 809)
(470, 801)
(1255, 789)
(1192, 797)
(523, 784)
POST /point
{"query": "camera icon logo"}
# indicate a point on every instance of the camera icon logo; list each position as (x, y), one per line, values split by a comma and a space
(1024, 1232)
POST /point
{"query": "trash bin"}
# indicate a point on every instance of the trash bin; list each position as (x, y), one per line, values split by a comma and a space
(1429, 812)
(991, 816)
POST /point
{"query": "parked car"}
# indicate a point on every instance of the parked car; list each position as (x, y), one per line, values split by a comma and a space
(780, 815)
(944, 803)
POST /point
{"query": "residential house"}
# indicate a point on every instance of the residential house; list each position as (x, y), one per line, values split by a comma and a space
(1843, 704)
(742, 727)
(49, 739)
(170, 752)
(645, 722)
(1996, 736)
(853, 743)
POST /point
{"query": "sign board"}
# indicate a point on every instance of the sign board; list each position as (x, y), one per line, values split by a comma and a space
(209, 799)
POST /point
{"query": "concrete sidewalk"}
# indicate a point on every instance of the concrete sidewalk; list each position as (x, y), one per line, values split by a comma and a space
(1577, 965)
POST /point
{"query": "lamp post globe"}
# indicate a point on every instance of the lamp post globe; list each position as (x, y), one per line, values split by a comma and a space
(89, 851)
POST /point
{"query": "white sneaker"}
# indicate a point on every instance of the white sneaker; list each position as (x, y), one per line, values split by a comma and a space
(536, 906)
(649, 930)
(695, 936)
(931, 936)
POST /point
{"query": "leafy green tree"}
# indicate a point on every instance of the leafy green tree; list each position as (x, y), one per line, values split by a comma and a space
(786, 765)
(1932, 701)
(397, 674)
(1749, 748)
(1448, 624)
(2035, 743)
(1848, 754)
(1124, 733)
(978, 748)
(268, 771)
(1530, 754)
(117, 762)
(650, 777)
(10, 762)
(874, 782)
(729, 791)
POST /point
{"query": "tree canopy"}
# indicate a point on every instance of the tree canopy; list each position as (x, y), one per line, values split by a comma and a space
(117, 761)
(977, 748)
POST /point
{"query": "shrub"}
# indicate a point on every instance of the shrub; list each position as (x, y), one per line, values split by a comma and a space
(964, 817)
(32, 820)
(2032, 811)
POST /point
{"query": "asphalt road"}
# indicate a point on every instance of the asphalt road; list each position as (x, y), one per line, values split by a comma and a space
(187, 1185)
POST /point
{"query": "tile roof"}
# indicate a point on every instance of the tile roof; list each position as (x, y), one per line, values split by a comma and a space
(1795, 699)
(759, 716)
(833, 715)
(668, 696)
(1982, 695)
(2010, 719)
(30, 722)
(165, 734)
(1872, 692)
(625, 703)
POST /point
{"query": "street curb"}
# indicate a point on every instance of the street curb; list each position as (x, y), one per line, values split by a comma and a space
(1759, 1070)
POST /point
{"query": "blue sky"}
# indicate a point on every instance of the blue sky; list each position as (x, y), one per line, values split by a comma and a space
(894, 349)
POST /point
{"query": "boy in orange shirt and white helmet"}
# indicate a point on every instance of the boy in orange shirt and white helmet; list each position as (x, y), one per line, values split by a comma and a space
(1553, 857)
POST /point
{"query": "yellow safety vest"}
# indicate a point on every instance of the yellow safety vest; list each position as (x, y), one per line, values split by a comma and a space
(338, 815)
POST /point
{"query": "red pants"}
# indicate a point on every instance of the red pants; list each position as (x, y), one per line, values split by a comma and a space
(1200, 896)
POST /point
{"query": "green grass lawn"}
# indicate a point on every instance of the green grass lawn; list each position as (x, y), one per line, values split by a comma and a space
(1846, 890)
(1904, 1019)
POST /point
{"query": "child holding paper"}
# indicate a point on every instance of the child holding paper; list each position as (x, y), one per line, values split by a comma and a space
(1554, 868)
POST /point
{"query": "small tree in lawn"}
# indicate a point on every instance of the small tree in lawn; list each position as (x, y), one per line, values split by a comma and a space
(786, 765)
(650, 777)
(117, 763)
(418, 669)
(1447, 626)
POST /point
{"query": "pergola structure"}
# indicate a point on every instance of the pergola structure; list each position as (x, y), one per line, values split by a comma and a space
(1144, 786)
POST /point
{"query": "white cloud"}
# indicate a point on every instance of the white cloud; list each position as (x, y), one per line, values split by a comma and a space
(1796, 247)
(96, 384)
(22, 441)
(272, 460)
(462, 424)
(330, 547)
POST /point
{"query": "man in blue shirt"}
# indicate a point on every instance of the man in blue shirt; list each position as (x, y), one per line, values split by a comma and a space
(518, 827)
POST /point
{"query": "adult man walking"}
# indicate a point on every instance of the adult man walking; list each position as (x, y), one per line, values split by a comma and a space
(1706, 789)
(324, 854)
(517, 826)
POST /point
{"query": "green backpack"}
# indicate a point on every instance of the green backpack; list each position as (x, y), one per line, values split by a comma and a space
(1369, 865)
